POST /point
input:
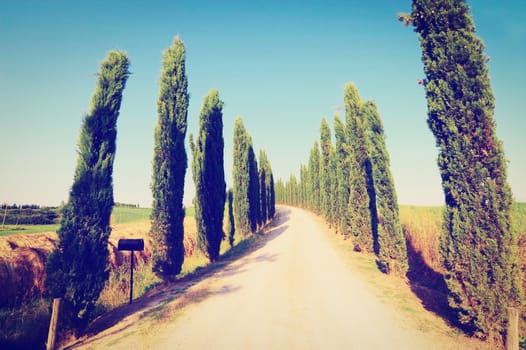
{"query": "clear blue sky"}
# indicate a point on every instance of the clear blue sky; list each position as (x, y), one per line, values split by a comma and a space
(281, 65)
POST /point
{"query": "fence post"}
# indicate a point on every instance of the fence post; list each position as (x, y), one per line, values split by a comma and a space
(131, 275)
(51, 336)
(512, 334)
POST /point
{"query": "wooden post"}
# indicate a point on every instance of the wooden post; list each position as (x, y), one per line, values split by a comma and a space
(131, 276)
(52, 334)
(512, 334)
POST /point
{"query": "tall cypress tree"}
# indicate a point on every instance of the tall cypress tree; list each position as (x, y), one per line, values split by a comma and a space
(358, 210)
(209, 176)
(342, 174)
(265, 174)
(241, 178)
(271, 196)
(477, 244)
(334, 184)
(78, 269)
(231, 224)
(253, 188)
(262, 194)
(269, 186)
(392, 251)
(169, 164)
(325, 177)
(303, 197)
(314, 194)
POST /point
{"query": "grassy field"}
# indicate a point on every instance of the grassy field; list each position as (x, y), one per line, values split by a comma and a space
(28, 229)
(125, 215)
(120, 215)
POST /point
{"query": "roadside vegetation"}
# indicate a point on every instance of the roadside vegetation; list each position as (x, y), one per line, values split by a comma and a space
(24, 323)
(84, 267)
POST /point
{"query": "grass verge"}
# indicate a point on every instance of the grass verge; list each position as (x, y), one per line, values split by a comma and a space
(396, 292)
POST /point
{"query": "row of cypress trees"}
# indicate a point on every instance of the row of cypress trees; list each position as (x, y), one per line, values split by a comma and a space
(351, 185)
(253, 187)
(250, 204)
(477, 244)
(78, 269)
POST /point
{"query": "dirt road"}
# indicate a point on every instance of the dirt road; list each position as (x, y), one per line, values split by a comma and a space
(292, 293)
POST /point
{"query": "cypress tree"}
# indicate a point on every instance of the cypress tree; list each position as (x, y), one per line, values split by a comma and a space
(303, 187)
(266, 186)
(279, 188)
(478, 247)
(313, 188)
(78, 269)
(231, 224)
(358, 210)
(253, 188)
(241, 178)
(169, 164)
(209, 176)
(391, 251)
(334, 184)
(342, 174)
(271, 196)
(294, 191)
(262, 191)
(325, 177)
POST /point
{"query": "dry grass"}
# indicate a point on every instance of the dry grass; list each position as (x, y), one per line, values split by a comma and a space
(22, 265)
(422, 227)
(116, 291)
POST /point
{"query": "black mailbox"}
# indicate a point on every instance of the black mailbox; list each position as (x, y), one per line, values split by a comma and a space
(131, 244)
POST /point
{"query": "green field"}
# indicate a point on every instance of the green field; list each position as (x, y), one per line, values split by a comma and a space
(125, 215)
(120, 215)
(28, 229)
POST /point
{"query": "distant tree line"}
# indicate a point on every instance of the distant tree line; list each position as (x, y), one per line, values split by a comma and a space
(25, 206)
(28, 214)
(349, 182)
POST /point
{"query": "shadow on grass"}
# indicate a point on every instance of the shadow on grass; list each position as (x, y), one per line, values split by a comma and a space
(152, 303)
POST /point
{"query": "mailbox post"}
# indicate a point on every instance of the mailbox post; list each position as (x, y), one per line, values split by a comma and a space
(131, 244)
